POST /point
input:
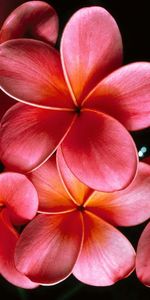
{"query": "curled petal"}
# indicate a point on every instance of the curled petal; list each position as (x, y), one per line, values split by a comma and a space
(19, 196)
(92, 152)
(143, 257)
(54, 241)
(8, 242)
(35, 18)
(29, 135)
(52, 194)
(125, 95)
(106, 255)
(31, 72)
(75, 188)
(128, 207)
(91, 48)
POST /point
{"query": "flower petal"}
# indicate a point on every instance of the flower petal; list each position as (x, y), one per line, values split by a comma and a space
(5, 103)
(36, 18)
(128, 207)
(31, 72)
(29, 135)
(106, 255)
(19, 196)
(143, 257)
(9, 238)
(91, 48)
(6, 7)
(77, 190)
(125, 95)
(52, 194)
(54, 241)
(92, 151)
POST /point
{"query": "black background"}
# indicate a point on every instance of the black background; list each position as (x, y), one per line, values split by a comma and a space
(133, 18)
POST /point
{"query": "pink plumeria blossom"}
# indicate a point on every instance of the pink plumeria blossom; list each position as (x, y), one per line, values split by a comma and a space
(77, 100)
(75, 229)
(18, 205)
(143, 249)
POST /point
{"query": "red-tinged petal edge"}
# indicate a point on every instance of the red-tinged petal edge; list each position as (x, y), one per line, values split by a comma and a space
(53, 198)
(125, 95)
(143, 257)
(55, 242)
(30, 135)
(92, 150)
(106, 255)
(9, 238)
(91, 48)
(34, 18)
(19, 196)
(31, 72)
(127, 207)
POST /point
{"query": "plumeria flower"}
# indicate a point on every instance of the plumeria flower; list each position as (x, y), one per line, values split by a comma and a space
(76, 100)
(75, 232)
(143, 249)
(18, 205)
(34, 19)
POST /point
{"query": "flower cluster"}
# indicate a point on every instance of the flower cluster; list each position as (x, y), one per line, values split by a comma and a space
(71, 170)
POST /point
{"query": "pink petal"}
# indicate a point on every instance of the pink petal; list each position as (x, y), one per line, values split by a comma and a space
(93, 148)
(36, 18)
(52, 194)
(91, 48)
(5, 103)
(54, 241)
(125, 95)
(106, 255)
(8, 241)
(77, 190)
(19, 196)
(31, 72)
(143, 257)
(29, 135)
(128, 207)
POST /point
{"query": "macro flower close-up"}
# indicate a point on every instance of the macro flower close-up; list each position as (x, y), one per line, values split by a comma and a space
(75, 229)
(76, 100)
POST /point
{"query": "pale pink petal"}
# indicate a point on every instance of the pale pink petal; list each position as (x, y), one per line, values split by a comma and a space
(77, 190)
(29, 135)
(54, 241)
(8, 239)
(125, 95)
(143, 257)
(100, 152)
(106, 255)
(128, 207)
(34, 18)
(31, 72)
(52, 194)
(19, 196)
(5, 103)
(91, 48)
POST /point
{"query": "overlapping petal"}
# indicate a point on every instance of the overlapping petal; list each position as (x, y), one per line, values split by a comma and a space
(91, 48)
(76, 189)
(31, 72)
(92, 151)
(9, 238)
(128, 207)
(52, 194)
(125, 94)
(54, 246)
(35, 18)
(29, 135)
(143, 257)
(106, 256)
(18, 196)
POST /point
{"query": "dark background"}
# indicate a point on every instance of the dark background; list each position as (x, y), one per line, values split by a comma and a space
(133, 19)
